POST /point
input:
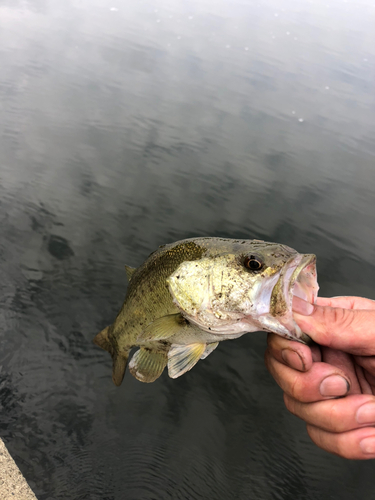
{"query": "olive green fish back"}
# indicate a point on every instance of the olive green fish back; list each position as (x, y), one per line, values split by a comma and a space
(148, 297)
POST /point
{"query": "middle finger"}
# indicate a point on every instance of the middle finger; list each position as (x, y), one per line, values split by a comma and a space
(322, 381)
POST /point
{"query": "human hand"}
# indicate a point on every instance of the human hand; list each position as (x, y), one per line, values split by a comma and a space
(343, 365)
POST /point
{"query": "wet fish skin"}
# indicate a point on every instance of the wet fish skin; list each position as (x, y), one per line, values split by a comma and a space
(173, 300)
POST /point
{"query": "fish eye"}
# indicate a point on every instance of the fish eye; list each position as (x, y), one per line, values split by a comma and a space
(253, 262)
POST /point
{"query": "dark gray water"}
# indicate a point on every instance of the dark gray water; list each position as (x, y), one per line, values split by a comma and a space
(126, 125)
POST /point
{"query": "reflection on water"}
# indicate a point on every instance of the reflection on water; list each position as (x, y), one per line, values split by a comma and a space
(129, 125)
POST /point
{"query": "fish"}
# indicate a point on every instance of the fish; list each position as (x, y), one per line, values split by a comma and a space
(189, 295)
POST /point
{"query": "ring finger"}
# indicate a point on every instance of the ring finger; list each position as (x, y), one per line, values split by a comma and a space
(336, 415)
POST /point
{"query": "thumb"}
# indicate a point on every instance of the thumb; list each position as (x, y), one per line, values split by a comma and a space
(350, 330)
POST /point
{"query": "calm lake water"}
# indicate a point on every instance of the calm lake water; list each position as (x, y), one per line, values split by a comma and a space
(127, 125)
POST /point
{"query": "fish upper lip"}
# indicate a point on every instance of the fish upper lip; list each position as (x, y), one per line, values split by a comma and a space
(298, 277)
(303, 282)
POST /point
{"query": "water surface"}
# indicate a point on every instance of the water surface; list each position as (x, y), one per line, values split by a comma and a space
(126, 125)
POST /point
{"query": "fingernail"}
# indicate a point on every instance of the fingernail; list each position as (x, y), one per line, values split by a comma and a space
(367, 445)
(366, 414)
(293, 359)
(334, 385)
(300, 306)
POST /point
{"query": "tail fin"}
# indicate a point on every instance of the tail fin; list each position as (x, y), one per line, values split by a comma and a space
(118, 368)
(119, 361)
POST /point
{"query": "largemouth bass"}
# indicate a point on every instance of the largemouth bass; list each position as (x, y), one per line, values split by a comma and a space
(190, 295)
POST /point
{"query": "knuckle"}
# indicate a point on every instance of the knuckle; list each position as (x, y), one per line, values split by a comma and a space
(290, 404)
(295, 387)
(335, 417)
(337, 318)
(314, 435)
(343, 318)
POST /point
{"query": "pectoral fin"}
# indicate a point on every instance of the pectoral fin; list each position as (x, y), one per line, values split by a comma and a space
(209, 349)
(163, 328)
(147, 365)
(182, 358)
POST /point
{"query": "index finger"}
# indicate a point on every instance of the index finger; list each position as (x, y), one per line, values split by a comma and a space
(350, 330)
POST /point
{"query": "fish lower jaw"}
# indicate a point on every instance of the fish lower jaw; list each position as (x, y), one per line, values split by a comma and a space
(283, 325)
(235, 327)
(227, 327)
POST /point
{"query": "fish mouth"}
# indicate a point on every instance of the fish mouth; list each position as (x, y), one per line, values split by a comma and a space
(303, 282)
(298, 278)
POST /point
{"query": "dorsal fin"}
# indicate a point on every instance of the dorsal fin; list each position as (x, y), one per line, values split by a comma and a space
(129, 271)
